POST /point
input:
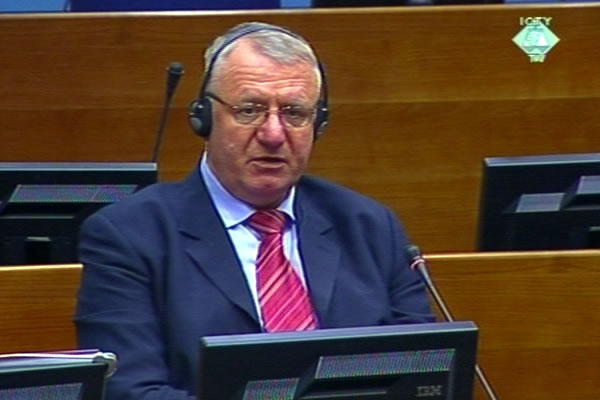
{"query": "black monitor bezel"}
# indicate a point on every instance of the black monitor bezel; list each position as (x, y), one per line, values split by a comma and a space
(58, 222)
(92, 376)
(227, 363)
(505, 179)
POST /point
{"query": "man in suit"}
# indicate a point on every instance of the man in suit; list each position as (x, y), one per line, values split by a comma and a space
(178, 261)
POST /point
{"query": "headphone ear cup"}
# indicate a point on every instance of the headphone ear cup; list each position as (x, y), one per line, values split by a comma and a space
(200, 116)
(321, 120)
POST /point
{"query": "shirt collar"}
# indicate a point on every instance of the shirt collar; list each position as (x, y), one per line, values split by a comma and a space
(232, 210)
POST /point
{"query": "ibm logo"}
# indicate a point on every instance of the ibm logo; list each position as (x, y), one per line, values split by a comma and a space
(430, 391)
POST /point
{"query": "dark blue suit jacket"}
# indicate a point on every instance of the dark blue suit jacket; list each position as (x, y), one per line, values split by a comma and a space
(160, 272)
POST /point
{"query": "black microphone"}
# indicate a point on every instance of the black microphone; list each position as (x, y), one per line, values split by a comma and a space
(174, 72)
(418, 263)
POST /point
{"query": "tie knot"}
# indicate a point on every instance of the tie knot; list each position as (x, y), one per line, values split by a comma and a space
(267, 221)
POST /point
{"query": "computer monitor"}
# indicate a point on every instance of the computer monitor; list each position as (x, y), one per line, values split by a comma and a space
(406, 362)
(53, 382)
(168, 5)
(542, 202)
(389, 3)
(42, 205)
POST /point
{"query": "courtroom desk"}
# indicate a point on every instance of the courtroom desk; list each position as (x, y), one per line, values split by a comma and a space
(418, 96)
(36, 307)
(538, 314)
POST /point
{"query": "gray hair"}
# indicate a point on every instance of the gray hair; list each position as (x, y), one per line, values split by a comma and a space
(272, 41)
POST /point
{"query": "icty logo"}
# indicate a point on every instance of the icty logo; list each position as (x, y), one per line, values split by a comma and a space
(536, 39)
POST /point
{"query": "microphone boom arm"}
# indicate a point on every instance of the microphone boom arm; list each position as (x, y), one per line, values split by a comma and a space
(174, 72)
(419, 264)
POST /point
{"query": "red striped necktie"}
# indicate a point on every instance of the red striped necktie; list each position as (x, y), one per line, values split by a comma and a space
(282, 297)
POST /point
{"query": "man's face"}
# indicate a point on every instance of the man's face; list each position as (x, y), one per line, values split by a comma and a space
(259, 164)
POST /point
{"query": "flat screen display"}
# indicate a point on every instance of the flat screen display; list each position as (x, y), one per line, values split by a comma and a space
(434, 361)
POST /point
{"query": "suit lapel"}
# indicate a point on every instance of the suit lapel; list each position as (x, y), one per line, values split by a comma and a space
(207, 243)
(320, 253)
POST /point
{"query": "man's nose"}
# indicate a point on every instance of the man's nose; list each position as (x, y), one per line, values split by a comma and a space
(272, 131)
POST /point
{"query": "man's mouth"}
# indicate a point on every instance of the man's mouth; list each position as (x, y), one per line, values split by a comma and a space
(269, 160)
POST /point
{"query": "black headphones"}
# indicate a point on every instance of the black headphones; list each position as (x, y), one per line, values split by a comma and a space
(200, 110)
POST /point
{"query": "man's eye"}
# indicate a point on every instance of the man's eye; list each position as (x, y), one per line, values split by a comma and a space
(296, 112)
(248, 109)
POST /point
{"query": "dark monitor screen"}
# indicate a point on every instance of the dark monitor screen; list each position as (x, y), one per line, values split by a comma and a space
(168, 5)
(389, 3)
(43, 204)
(53, 382)
(544, 202)
(406, 362)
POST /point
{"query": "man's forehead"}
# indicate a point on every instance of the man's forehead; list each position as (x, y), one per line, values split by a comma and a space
(249, 61)
(246, 66)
